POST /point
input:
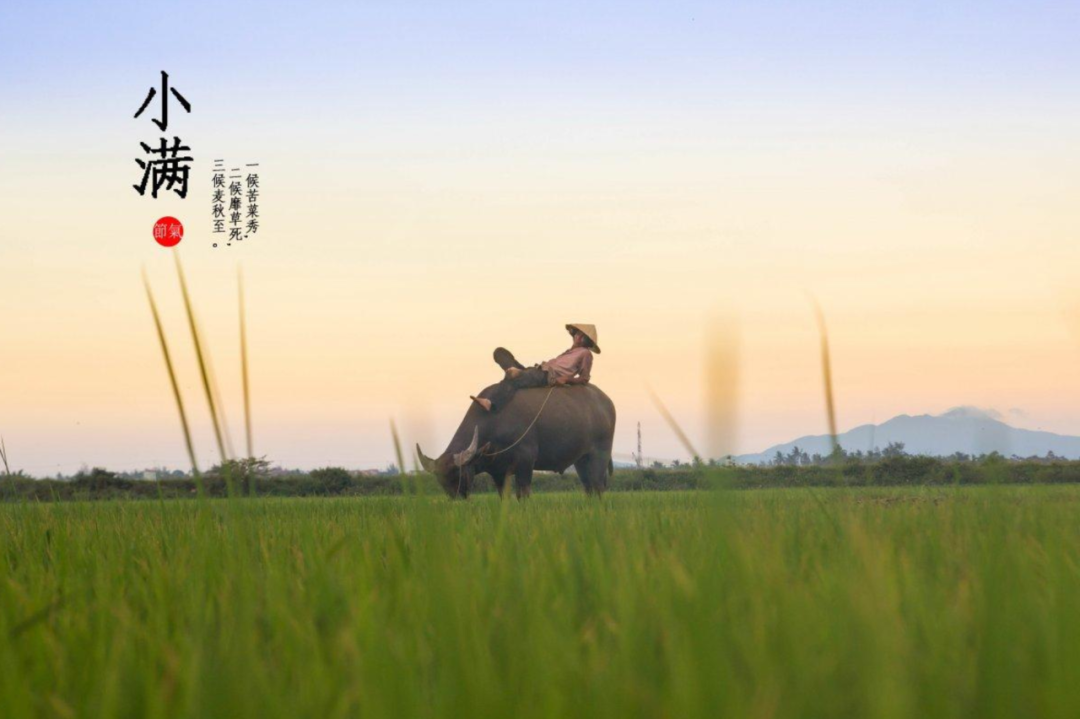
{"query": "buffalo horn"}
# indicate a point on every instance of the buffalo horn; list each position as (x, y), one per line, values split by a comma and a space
(425, 461)
(466, 456)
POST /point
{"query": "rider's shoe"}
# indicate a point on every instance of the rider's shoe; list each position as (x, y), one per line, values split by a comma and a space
(505, 359)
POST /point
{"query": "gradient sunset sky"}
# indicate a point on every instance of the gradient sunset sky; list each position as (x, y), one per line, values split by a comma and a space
(441, 178)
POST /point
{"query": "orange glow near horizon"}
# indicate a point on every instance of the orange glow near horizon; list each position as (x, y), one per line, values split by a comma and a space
(942, 247)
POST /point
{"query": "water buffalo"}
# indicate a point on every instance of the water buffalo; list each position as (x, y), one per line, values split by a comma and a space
(576, 427)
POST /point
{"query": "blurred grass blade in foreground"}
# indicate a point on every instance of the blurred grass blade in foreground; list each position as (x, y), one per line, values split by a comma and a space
(201, 357)
(826, 368)
(400, 456)
(694, 455)
(172, 381)
(397, 446)
(249, 444)
(722, 387)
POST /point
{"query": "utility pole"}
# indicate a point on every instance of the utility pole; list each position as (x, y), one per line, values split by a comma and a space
(637, 457)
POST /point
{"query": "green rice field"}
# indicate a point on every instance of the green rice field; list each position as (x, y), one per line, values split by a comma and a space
(946, 602)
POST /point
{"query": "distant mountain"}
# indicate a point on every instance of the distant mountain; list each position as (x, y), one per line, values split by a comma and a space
(962, 429)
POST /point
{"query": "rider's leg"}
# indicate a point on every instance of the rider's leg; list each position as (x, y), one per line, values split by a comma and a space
(500, 395)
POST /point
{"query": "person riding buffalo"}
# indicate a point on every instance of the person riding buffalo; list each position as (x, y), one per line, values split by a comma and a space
(574, 366)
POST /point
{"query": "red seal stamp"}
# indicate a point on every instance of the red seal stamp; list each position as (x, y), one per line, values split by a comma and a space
(168, 231)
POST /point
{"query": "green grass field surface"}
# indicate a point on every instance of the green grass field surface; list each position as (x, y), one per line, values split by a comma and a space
(960, 602)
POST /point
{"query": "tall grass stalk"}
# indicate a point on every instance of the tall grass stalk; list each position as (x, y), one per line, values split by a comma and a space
(826, 369)
(200, 355)
(249, 444)
(721, 386)
(397, 447)
(663, 410)
(415, 485)
(218, 403)
(173, 383)
(830, 405)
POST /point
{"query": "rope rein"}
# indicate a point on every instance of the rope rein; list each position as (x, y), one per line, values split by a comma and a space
(531, 424)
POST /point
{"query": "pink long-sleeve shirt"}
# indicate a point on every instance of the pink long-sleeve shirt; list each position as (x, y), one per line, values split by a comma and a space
(574, 362)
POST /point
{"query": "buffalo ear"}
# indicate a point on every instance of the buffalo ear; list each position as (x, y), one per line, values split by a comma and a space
(426, 462)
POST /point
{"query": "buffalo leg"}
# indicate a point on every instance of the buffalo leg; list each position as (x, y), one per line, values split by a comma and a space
(603, 472)
(523, 480)
(584, 473)
(592, 469)
(500, 482)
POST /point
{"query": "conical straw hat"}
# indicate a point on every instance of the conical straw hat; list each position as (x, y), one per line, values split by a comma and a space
(587, 330)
